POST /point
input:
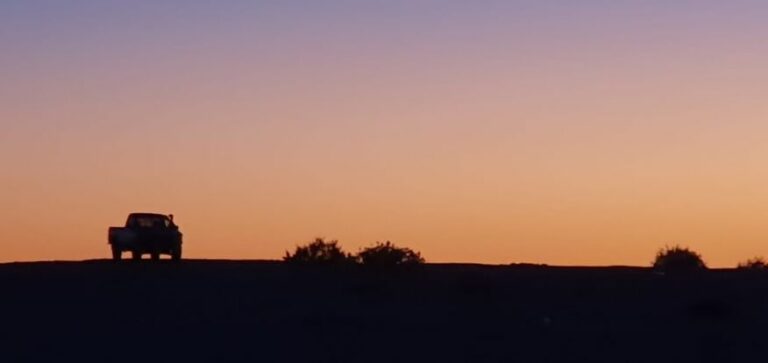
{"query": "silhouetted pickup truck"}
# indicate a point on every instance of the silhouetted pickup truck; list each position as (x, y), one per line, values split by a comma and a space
(149, 233)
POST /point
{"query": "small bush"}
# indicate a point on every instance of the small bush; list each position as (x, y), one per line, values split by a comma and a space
(319, 252)
(757, 263)
(387, 254)
(678, 259)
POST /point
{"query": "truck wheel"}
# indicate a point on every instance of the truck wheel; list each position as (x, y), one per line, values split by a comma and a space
(176, 253)
(117, 255)
(135, 255)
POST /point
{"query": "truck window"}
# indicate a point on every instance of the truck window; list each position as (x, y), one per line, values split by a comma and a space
(148, 222)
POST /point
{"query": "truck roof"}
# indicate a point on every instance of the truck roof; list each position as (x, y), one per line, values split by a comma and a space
(148, 215)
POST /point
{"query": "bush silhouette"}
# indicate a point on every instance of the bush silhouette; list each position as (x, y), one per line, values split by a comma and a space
(757, 263)
(678, 259)
(387, 254)
(319, 252)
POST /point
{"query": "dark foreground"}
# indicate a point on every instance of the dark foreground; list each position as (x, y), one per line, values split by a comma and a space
(223, 311)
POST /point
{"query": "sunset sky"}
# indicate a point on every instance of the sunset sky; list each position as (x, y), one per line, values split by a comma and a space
(560, 132)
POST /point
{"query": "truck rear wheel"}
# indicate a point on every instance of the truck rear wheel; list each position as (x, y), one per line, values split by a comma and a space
(176, 253)
(117, 255)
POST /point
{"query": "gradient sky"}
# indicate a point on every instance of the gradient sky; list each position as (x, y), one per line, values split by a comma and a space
(561, 132)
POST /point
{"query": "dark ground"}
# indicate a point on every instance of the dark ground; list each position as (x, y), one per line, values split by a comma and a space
(222, 311)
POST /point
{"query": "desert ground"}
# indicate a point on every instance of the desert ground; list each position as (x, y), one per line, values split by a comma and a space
(262, 311)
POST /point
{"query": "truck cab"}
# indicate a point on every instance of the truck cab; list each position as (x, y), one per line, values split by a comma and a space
(146, 233)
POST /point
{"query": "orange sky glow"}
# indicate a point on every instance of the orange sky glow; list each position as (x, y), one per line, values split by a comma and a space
(581, 133)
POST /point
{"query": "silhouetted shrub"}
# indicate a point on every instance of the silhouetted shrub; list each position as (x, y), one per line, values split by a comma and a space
(757, 263)
(387, 254)
(319, 252)
(678, 259)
